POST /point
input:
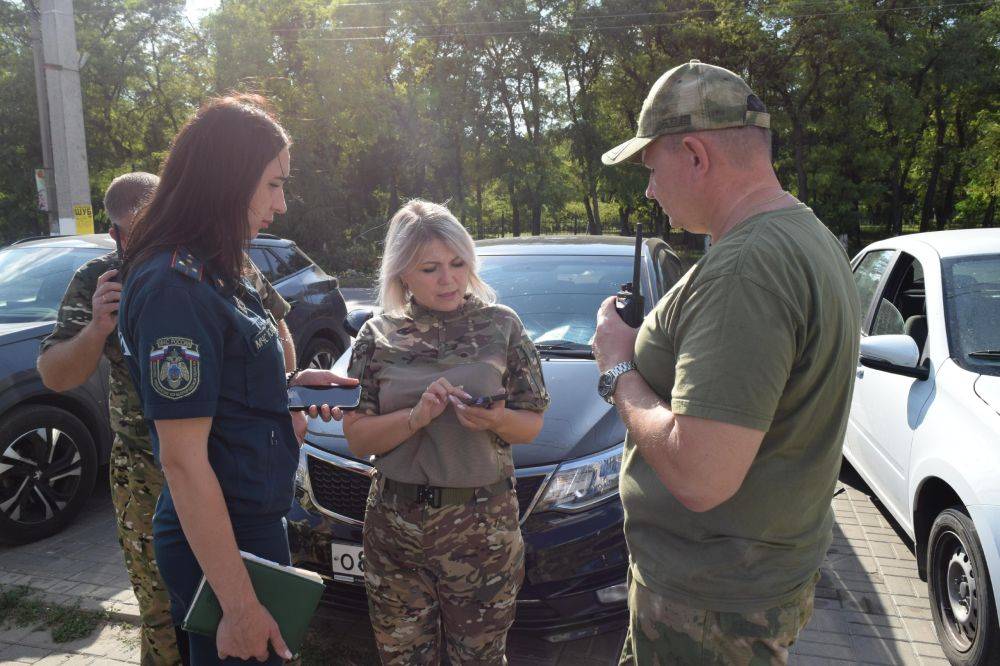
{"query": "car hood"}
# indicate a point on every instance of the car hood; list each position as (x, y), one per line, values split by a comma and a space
(18, 331)
(987, 387)
(577, 423)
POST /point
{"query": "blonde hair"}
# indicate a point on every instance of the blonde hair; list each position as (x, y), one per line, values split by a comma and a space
(413, 226)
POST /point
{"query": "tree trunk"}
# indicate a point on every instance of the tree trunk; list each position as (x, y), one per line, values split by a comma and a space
(624, 212)
(536, 218)
(991, 210)
(590, 214)
(932, 180)
(596, 227)
(479, 209)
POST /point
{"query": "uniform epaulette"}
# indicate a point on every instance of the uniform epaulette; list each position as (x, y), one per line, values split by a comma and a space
(186, 263)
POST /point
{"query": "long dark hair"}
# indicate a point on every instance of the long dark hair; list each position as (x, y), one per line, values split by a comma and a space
(206, 184)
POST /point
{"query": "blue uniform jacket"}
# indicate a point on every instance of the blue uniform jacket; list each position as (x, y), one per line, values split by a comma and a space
(196, 349)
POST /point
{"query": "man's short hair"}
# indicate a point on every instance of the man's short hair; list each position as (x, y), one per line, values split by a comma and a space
(741, 146)
(128, 193)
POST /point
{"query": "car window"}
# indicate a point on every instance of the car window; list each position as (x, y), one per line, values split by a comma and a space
(669, 267)
(263, 260)
(867, 276)
(33, 280)
(902, 307)
(290, 260)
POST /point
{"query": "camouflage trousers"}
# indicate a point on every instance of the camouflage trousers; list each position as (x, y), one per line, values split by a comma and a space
(662, 632)
(442, 582)
(135, 486)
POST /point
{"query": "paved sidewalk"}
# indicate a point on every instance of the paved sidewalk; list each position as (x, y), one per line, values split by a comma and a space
(870, 605)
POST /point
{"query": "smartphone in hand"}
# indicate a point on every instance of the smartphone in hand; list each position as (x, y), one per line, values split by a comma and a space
(301, 397)
(485, 401)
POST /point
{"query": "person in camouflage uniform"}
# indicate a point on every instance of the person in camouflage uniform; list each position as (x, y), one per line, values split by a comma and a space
(444, 557)
(85, 329)
(735, 389)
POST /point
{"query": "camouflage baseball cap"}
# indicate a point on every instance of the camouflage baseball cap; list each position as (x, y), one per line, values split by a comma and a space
(692, 97)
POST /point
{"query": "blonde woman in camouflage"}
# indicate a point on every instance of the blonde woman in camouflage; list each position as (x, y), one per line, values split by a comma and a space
(444, 558)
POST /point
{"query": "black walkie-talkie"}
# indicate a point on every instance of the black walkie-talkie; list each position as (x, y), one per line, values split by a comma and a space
(628, 302)
(121, 254)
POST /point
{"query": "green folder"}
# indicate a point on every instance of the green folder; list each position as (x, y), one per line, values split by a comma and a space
(289, 594)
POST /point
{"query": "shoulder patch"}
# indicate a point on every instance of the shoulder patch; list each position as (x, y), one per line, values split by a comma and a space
(187, 264)
(174, 367)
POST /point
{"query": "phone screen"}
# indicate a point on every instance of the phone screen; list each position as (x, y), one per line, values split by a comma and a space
(485, 401)
(345, 397)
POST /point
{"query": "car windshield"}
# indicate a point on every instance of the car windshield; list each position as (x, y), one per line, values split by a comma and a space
(556, 296)
(33, 280)
(972, 308)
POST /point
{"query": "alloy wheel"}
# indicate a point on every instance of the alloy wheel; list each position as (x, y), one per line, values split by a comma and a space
(322, 360)
(40, 472)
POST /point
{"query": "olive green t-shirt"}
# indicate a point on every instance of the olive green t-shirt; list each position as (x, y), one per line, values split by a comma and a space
(762, 333)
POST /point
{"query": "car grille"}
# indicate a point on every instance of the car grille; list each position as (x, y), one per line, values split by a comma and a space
(337, 489)
(344, 491)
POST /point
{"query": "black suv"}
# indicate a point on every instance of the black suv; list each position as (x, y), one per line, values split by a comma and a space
(318, 309)
(51, 444)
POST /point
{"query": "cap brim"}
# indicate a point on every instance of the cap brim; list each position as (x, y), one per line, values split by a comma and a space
(626, 152)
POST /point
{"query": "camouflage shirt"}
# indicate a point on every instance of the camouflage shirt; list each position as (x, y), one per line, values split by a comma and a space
(482, 348)
(75, 313)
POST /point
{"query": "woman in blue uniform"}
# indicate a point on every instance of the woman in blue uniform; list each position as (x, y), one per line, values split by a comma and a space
(207, 361)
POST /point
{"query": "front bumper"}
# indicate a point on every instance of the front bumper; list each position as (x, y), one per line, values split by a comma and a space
(575, 564)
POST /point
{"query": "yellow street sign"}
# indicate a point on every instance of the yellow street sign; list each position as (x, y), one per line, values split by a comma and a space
(84, 219)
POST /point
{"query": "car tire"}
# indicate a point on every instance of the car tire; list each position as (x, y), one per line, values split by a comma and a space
(320, 353)
(48, 466)
(961, 597)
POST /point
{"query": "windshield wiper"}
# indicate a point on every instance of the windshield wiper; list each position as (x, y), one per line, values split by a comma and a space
(575, 350)
(987, 354)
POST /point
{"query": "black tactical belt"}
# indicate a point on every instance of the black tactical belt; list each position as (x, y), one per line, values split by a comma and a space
(436, 496)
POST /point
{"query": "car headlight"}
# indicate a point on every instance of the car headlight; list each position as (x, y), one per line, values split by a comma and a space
(301, 472)
(580, 484)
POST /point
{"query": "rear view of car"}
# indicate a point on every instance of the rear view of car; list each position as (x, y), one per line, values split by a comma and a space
(316, 319)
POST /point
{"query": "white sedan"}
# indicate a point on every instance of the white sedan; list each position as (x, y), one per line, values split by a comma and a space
(924, 429)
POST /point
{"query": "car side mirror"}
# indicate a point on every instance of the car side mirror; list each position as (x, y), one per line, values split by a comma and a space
(897, 354)
(355, 319)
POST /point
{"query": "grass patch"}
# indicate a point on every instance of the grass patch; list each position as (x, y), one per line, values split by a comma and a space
(20, 606)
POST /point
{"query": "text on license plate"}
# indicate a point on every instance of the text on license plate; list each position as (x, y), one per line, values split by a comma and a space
(347, 562)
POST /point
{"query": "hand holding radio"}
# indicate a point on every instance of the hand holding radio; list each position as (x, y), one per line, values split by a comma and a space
(628, 302)
(105, 302)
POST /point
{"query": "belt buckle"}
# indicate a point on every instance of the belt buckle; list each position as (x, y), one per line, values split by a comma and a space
(430, 496)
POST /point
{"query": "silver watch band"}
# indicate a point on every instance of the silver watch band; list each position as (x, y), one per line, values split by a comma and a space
(616, 372)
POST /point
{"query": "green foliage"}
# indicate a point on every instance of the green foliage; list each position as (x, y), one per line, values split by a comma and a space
(885, 115)
(19, 606)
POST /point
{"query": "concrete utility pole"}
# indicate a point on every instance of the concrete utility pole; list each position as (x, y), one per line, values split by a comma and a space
(60, 111)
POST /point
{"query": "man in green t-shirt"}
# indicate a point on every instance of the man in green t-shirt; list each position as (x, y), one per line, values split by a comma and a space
(737, 409)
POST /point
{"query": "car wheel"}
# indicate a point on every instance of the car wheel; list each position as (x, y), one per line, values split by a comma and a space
(320, 353)
(48, 465)
(961, 598)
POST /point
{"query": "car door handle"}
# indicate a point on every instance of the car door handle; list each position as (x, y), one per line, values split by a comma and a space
(860, 373)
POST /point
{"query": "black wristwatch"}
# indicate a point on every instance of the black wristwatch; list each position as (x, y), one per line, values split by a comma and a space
(608, 381)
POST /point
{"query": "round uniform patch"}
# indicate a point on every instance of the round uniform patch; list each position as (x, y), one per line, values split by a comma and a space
(174, 367)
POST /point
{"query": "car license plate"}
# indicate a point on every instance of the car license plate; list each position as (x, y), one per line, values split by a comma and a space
(347, 560)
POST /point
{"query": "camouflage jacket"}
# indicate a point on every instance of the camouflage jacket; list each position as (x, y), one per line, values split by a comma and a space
(76, 311)
(482, 348)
